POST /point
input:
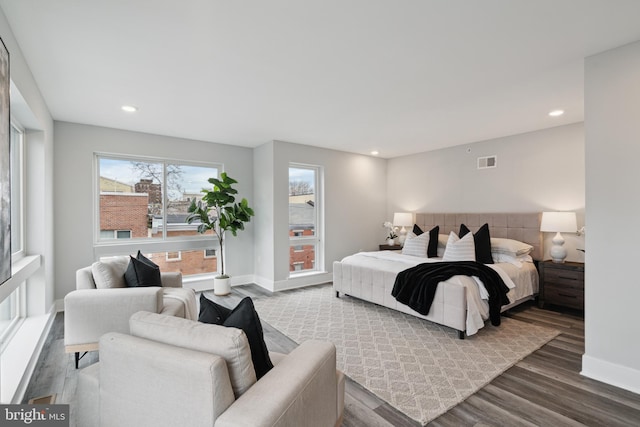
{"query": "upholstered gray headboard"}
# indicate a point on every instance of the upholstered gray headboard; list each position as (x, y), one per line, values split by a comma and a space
(524, 227)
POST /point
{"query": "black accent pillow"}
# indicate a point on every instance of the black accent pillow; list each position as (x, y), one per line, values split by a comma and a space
(417, 230)
(141, 272)
(432, 247)
(482, 243)
(244, 317)
(212, 313)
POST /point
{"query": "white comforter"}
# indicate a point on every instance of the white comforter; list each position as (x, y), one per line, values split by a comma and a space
(521, 280)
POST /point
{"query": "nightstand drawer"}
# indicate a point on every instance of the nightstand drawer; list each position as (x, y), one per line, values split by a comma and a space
(568, 297)
(561, 284)
(564, 277)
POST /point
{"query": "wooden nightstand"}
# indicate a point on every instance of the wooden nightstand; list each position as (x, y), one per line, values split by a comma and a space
(562, 284)
(386, 247)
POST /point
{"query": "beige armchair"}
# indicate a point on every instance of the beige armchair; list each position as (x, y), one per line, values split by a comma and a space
(102, 303)
(175, 372)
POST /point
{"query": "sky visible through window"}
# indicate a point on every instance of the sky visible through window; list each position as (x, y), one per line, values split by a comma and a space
(304, 175)
(193, 180)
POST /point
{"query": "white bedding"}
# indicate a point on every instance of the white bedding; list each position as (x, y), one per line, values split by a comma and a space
(522, 280)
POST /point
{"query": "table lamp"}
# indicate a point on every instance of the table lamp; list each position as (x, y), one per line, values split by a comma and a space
(557, 222)
(402, 219)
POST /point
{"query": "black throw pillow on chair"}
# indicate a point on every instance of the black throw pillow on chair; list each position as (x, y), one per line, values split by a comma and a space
(244, 317)
(141, 272)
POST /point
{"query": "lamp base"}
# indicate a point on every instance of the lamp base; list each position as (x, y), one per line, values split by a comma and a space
(558, 252)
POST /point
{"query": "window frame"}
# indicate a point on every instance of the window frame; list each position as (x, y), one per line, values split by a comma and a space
(103, 248)
(317, 239)
(21, 189)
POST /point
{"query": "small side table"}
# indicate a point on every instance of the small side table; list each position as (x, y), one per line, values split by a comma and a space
(386, 247)
(562, 284)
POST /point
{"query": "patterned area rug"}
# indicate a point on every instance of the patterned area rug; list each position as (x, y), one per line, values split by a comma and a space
(420, 368)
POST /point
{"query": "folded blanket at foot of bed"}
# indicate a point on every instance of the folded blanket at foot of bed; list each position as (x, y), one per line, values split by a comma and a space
(416, 286)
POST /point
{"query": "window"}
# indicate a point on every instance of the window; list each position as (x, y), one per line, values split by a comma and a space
(17, 189)
(173, 256)
(305, 249)
(209, 253)
(115, 234)
(143, 203)
(13, 307)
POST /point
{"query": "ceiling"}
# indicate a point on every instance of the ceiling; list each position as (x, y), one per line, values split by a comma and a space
(398, 77)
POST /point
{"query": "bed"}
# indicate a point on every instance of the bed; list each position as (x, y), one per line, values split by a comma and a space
(458, 302)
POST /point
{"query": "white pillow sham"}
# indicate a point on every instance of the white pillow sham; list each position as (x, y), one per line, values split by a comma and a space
(460, 249)
(509, 247)
(416, 245)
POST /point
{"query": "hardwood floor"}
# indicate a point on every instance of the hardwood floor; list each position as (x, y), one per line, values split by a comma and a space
(544, 389)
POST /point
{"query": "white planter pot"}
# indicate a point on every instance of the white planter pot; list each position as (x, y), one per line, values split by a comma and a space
(221, 286)
(391, 242)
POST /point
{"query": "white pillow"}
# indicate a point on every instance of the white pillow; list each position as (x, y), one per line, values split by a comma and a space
(110, 273)
(460, 249)
(416, 245)
(510, 247)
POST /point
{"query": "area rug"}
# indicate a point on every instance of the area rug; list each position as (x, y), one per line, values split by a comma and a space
(420, 368)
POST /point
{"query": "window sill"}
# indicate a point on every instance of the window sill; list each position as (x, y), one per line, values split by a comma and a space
(21, 270)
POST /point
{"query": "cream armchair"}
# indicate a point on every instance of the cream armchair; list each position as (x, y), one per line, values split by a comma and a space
(175, 372)
(102, 303)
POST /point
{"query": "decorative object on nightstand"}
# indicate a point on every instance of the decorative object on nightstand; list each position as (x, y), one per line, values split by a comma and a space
(392, 233)
(557, 222)
(561, 284)
(402, 220)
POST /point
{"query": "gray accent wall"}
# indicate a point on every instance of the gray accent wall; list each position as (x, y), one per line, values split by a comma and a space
(536, 171)
(612, 288)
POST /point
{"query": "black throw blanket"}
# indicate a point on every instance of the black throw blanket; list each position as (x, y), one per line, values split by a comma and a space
(417, 285)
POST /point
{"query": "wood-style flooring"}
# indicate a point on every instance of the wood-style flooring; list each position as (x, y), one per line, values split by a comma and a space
(544, 389)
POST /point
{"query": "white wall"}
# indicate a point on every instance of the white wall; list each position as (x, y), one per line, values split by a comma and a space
(75, 148)
(264, 209)
(354, 207)
(20, 356)
(537, 171)
(612, 111)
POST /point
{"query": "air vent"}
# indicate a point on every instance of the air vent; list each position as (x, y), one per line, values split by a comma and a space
(487, 162)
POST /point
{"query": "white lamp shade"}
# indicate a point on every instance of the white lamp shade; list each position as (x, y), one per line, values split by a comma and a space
(559, 222)
(403, 219)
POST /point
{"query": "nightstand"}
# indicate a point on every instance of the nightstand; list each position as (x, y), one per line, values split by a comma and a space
(390, 248)
(562, 284)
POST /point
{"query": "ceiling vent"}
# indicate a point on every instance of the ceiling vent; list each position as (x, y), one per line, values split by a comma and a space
(487, 162)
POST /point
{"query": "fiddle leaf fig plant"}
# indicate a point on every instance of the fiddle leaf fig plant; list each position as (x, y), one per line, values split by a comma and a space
(219, 212)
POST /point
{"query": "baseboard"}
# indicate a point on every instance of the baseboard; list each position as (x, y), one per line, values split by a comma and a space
(293, 282)
(611, 373)
(302, 281)
(264, 283)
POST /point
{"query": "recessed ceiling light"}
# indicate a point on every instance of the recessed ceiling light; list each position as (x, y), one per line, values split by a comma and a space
(556, 113)
(129, 108)
(374, 153)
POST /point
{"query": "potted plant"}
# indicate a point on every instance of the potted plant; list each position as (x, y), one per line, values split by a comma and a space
(392, 233)
(219, 212)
